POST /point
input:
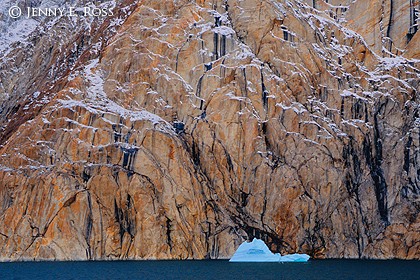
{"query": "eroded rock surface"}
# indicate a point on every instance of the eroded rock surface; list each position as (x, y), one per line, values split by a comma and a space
(179, 129)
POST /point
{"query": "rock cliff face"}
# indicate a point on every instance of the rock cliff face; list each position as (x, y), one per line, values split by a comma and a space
(178, 129)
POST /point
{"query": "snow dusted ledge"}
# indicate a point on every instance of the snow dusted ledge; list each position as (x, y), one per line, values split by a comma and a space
(257, 251)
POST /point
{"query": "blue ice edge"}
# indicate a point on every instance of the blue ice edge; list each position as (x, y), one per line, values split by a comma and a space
(257, 251)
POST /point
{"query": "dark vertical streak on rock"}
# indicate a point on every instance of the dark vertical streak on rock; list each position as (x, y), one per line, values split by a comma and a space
(129, 155)
(244, 88)
(216, 45)
(285, 33)
(200, 81)
(216, 39)
(391, 15)
(223, 46)
(88, 229)
(407, 154)
(366, 113)
(195, 153)
(353, 166)
(264, 206)
(118, 217)
(374, 162)
(352, 182)
(412, 188)
(264, 91)
(413, 22)
(168, 233)
(244, 198)
(275, 159)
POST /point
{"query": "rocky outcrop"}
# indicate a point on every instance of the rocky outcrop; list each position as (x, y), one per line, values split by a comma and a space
(181, 128)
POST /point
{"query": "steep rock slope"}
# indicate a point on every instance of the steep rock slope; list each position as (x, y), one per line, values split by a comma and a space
(182, 128)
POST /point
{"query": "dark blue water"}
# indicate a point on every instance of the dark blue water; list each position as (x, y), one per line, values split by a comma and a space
(314, 269)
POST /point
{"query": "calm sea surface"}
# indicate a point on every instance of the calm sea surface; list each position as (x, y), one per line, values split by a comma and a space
(214, 269)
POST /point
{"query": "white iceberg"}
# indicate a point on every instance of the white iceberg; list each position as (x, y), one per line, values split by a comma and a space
(257, 251)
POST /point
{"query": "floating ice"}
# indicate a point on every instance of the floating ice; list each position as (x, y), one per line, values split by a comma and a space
(294, 258)
(257, 251)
